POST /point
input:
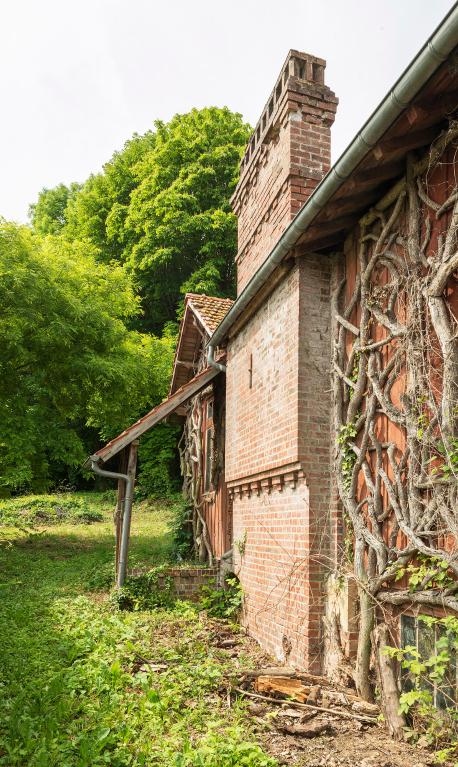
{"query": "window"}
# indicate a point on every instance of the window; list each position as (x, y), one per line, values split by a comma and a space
(425, 638)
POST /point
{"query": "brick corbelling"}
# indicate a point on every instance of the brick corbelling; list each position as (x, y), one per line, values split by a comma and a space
(290, 156)
(275, 479)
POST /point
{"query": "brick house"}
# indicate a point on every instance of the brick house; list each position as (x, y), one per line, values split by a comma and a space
(281, 362)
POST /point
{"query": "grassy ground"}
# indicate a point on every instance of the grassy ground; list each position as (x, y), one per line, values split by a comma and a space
(77, 687)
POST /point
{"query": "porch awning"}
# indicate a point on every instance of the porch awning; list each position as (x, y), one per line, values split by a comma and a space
(157, 414)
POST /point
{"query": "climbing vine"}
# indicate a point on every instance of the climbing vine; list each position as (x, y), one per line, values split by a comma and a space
(395, 363)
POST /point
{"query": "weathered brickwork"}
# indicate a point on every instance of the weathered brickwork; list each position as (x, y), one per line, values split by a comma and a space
(277, 453)
(278, 379)
(262, 420)
(288, 155)
(187, 581)
(271, 529)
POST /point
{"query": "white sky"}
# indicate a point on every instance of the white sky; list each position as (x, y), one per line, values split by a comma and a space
(78, 78)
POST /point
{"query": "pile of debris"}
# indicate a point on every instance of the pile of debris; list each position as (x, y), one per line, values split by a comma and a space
(307, 705)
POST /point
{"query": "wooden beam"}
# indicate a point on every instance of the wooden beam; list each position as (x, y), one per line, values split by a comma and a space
(377, 172)
(315, 241)
(157, 414)
(404, 143)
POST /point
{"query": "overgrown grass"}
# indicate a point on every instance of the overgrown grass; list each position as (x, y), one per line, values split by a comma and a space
(76, 686)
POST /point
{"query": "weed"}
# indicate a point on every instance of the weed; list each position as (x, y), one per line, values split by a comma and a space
(223, 603)
(78, 683)
(145, 591)
(428, 699)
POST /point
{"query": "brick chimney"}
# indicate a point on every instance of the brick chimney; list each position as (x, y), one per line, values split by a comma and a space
(287, 156)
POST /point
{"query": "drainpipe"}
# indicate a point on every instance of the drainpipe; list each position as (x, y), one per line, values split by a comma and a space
(127, 512)
(211, 359)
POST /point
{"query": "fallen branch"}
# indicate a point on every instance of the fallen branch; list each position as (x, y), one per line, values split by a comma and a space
(294, 704)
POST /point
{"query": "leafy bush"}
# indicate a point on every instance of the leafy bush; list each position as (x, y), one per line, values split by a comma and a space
(145, 591)
(158, 473)
(430, 685)
(181, 526)
(225, 602)
(33, 511)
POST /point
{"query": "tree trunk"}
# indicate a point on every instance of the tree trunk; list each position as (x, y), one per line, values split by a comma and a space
(388, 683)
(366, 624)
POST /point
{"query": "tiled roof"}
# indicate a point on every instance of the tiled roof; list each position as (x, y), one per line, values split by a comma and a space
(210, 310)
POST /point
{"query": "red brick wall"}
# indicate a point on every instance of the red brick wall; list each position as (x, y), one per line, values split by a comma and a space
(262, 422)
(288, 154)
(277, 453)
(187, 581)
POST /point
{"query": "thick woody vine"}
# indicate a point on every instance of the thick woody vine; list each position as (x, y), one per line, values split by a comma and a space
(395, 363)
(191, 459)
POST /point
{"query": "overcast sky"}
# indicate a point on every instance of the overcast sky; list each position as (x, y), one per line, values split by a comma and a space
(78, 78)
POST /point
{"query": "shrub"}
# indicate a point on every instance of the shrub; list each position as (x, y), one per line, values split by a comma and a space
(181, 527)
(430, 685)
(225, 602)
(145, 591)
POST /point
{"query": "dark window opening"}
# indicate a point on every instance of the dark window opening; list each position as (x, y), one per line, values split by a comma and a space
(427, 640)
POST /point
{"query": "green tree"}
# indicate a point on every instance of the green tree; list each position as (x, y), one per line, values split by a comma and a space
(48, 214)
(162, 207)
(99, 211)
(68, 360)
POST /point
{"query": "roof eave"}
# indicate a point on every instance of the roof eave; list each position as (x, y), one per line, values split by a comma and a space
(435, 51)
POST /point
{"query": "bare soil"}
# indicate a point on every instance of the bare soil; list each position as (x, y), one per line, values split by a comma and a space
(351, 744)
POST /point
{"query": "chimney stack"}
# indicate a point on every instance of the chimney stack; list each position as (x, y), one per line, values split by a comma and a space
(286, 157)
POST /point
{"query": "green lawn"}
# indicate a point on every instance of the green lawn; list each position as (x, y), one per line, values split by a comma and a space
(75, 690)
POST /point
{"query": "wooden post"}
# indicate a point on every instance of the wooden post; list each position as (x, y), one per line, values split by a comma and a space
(131, 472)
(119, 513)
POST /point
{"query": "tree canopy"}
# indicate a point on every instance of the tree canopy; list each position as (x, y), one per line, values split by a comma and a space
(161, 207)
(90, 295)
(68, 361)
(48, 214)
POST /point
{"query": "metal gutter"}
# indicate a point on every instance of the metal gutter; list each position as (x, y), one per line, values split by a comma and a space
(434, 52)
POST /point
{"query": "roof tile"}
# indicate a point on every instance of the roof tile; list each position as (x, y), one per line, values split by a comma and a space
(210, 310)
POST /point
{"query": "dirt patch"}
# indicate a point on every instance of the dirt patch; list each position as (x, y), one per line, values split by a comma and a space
(285, 730)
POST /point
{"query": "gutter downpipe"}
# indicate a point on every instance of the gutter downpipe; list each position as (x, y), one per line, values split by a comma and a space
(127, 513)
(211, 358)
(434, 52)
